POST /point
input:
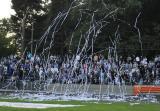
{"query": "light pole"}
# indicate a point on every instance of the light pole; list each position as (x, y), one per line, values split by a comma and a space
(23, 33)
(32, 34)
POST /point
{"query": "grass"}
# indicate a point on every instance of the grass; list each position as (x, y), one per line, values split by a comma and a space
(88, 106)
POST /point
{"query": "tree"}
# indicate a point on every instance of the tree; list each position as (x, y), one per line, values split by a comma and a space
(6, 47)
(27, 12)
(120, 13)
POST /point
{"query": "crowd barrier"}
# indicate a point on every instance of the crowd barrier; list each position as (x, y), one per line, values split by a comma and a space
(143, 89)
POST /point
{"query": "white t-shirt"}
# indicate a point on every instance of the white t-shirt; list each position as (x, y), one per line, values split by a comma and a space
(137, 59)
(77, 57)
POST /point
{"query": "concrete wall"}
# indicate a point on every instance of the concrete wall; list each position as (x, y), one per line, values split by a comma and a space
(92, 89)
(69, 88)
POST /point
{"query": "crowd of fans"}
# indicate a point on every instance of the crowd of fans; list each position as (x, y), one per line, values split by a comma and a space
(81, 69)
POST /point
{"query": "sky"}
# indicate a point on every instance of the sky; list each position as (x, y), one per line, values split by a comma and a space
(5, 9)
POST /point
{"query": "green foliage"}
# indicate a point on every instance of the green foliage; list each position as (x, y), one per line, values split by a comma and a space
(27, 13)
(6, 48)
(125, 16)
